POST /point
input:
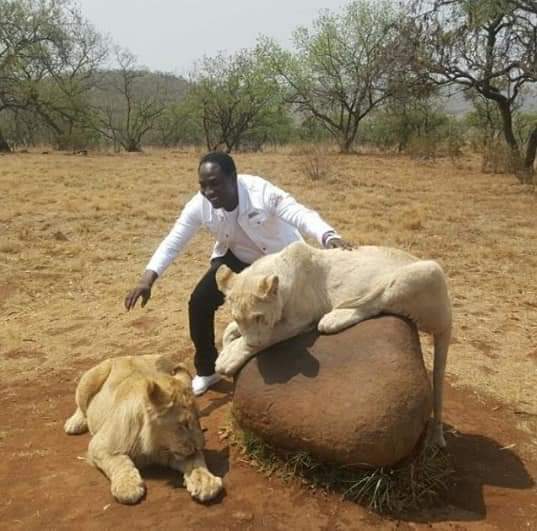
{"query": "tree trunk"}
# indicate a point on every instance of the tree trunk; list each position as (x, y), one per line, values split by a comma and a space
(531, 151)
(345, 146)
(516, 162)
(4, 146)
(133, 147)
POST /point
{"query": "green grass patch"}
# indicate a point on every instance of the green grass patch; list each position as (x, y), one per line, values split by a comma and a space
(411, 486)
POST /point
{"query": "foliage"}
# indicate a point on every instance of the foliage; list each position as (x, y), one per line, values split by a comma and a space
(488, 46)
(234, 97)
(48, 56)
(418, 127)
(345, 65)
(178, 124)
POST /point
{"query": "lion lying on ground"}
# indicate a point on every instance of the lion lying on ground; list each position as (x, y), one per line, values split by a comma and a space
(286, 293)
(140, 410)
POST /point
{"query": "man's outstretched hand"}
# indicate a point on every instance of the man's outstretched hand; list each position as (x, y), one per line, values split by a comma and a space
(339, 243)
(143, 290)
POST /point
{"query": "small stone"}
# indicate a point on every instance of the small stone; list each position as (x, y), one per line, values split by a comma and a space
(242, 516)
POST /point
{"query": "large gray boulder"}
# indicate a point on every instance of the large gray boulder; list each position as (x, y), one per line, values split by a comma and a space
(360, 397)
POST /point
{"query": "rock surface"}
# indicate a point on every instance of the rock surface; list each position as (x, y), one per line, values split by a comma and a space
(360, 397)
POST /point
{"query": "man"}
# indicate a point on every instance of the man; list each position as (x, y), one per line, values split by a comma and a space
(249, 218)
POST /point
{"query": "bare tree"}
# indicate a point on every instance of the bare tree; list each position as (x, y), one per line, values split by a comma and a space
(125, 107)
(487, 46)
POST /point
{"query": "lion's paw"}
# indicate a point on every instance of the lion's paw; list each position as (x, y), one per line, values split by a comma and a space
(202, 485)
(231, 333)
(227, 363)
(225, 366)
(128, 488)
(329, 324)
(76, 423)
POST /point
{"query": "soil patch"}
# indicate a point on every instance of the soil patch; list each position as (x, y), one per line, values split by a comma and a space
(47, 484)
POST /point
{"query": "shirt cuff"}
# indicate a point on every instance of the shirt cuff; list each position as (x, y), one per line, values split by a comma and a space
(329, 235)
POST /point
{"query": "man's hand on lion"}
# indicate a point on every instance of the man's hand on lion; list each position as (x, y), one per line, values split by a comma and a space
(340, 243)
(331, 240)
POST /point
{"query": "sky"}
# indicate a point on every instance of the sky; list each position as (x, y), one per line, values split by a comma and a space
(170, 35)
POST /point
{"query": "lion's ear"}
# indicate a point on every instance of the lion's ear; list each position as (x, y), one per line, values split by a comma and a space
(182, 374)
(181, 368)
(157, 394)
(268, 286)
(225, 279)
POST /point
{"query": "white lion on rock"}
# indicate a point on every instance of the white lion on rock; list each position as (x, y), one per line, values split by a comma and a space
(141, 410)
(286, 293)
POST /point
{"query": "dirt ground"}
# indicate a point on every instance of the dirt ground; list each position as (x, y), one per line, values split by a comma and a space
(76, 233)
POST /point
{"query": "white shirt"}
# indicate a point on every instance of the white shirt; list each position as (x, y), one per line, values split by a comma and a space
(240, 244)
(269, 217)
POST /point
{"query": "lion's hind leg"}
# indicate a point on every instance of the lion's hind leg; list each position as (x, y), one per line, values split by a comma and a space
(89, 385)
(76, 423)
(419, 291)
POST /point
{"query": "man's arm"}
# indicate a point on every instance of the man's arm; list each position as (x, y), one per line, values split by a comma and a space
(184, 228)
(306, 220)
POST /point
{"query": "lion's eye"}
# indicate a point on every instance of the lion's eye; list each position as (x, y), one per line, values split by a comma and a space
(258, 318)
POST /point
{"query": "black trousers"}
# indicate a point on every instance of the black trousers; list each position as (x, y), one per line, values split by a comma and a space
(204, 301)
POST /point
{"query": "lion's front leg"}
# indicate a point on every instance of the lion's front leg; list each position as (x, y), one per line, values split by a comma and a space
(238, 352)
(233, 356)
(231, 333)
(341, 318)
(199, 482)
(126, 484)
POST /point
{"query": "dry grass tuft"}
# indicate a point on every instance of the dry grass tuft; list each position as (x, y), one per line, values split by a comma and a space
(315, 161)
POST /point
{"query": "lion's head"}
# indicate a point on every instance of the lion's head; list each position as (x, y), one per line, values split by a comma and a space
(256, 303)
(172, 414)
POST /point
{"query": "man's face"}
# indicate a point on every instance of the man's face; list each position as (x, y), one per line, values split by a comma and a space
(219, 189)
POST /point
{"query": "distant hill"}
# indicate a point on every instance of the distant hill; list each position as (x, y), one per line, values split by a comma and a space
(455, 102)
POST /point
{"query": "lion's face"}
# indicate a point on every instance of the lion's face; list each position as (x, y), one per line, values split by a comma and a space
(175, 425)
(256, 304)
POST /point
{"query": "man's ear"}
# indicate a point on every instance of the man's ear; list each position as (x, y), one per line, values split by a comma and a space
(225, 279)
(268, 286)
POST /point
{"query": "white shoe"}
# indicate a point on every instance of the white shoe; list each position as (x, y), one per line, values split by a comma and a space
(200, 384)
